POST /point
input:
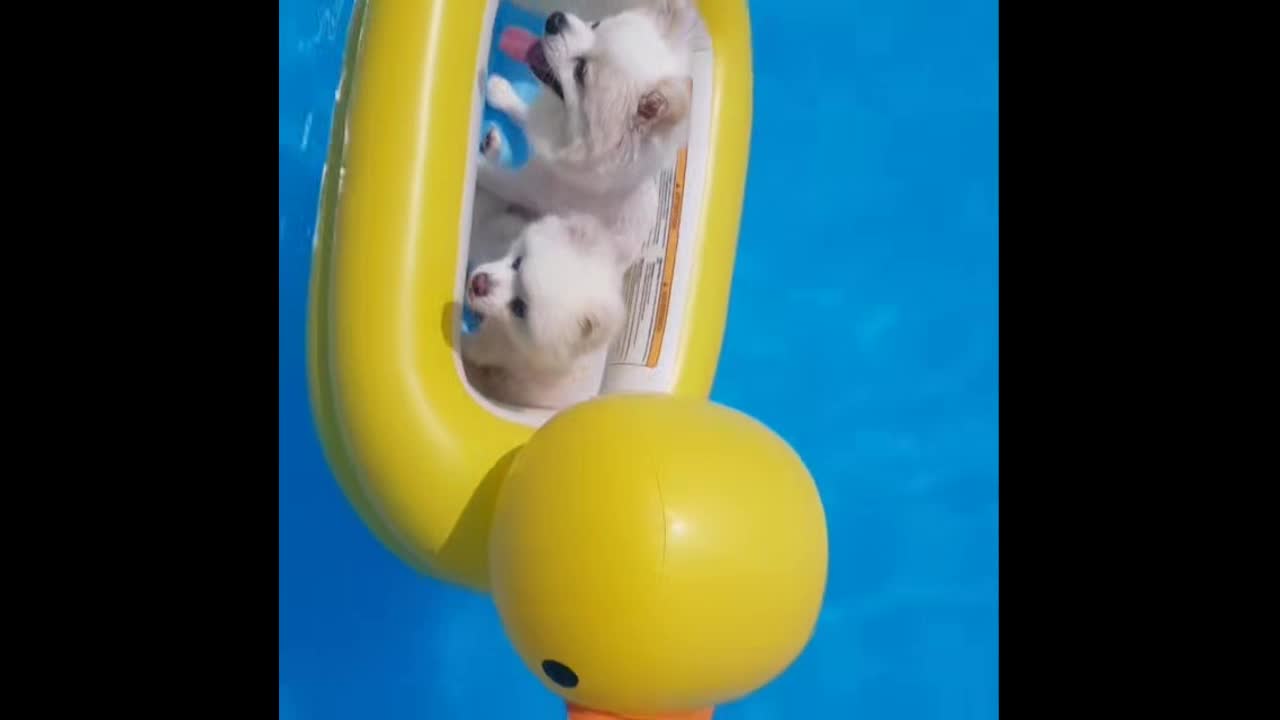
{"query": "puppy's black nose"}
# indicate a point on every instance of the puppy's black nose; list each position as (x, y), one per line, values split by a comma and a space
(480, 284)
(556, 23)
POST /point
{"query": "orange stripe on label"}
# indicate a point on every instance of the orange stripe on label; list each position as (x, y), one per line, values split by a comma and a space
(669, 264)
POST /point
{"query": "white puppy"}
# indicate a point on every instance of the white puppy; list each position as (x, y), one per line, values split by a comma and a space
(549, 293)
(614, 114)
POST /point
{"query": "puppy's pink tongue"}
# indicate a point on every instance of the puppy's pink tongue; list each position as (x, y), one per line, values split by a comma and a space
(515, 43)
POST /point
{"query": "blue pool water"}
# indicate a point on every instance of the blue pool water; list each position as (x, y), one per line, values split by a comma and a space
(863, 329)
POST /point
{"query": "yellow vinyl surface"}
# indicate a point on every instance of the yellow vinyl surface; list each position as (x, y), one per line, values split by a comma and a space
(417, 456)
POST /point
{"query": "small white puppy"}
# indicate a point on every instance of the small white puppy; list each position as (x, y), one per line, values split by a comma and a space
(614, 114)
(549, 294)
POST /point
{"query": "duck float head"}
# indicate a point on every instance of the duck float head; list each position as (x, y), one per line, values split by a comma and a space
(653, 557)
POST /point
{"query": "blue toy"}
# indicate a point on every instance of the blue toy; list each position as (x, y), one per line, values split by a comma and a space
(470, 322)
(515, 146)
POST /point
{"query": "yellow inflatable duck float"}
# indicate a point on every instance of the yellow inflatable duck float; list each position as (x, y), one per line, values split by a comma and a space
(652, 557)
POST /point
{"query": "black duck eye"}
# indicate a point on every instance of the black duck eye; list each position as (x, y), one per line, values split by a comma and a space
(516, 265)
(580, 71)
(560, 674)
(518, 308)
(595, 25)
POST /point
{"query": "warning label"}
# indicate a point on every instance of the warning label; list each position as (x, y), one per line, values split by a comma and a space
(648, 283)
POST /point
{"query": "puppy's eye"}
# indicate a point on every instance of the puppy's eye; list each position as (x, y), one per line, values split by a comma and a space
(516, 265)
(518, 308)
(580, 71)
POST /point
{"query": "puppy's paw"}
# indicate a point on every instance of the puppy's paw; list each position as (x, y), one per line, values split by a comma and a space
(491, 145)
(501, 95)
(469, 347)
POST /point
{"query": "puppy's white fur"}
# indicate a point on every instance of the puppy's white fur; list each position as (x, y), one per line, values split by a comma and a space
(613, 114)
(552, 301)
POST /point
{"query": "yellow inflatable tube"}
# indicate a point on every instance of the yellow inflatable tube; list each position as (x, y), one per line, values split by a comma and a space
(416, 450)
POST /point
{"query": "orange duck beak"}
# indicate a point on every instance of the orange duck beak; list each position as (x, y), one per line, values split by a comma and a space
(581, 713)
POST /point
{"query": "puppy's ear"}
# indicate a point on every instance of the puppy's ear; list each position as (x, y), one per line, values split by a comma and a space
(665, 105)
(583, 230)
(599, 326)
(676, 18)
